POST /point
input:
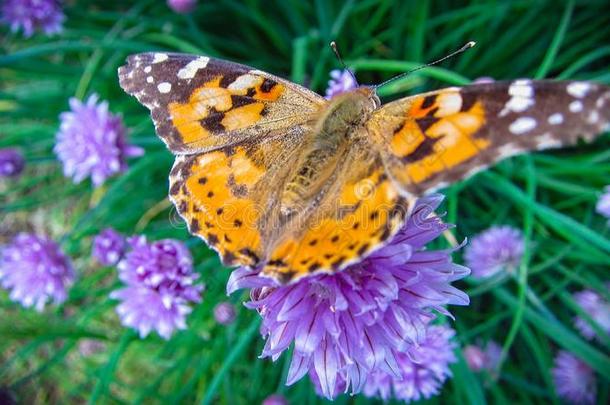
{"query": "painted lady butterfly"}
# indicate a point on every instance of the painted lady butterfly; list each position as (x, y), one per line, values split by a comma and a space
(274, 176)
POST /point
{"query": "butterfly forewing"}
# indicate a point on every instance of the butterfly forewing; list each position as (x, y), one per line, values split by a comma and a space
(200, 104)
(434, 139)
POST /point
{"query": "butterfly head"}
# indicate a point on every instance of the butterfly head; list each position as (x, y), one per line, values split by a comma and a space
(367, 95)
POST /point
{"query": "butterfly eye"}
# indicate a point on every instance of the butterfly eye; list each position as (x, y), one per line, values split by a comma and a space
(376, 100)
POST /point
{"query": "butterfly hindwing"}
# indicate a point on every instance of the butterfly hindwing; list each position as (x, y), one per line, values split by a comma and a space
(200, 104)
(434, 139)
(227, 196)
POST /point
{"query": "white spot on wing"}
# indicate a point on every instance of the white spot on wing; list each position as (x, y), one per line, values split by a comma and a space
(547, 141)
(164, 87)
(244, 82)
(508, 150)
(578, 89)
(576, 106)
(556, 119)
(522, 125)
(190, 70)
(150, 79)
(160, 57)
(522, 97)
(593, 117)
(147, 69)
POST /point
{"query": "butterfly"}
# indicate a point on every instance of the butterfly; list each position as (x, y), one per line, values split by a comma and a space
(275, 177)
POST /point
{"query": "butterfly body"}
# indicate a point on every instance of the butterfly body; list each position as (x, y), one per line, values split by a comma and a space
(274, 176)
(338, 128)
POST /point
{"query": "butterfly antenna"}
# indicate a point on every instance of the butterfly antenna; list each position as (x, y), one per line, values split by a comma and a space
(462, 49)
(333, 46)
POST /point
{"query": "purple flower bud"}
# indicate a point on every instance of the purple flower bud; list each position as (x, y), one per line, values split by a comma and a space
(160, 286)
(483, 358)
(182, 6)
(91, 142)
(597, 308)
(483, 80)
(32, 15)
(275, 399)
(35, 271)
(108, 247)
(340, 82)
(496, 249)
(475, 358)
(574, 380)
(224, 313)
(11, 162)
(603, 204)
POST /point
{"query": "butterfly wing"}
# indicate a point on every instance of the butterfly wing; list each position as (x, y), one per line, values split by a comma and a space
(199, 104)
(434, 139)
(228, 196)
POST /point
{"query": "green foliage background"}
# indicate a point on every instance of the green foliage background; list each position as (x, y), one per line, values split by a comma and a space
(550, 196)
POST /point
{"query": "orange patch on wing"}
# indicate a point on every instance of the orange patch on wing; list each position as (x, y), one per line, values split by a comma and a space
(407, 139)
(212, 98)
(367, 214)
(455, 144)
(228, 222)
(272, 95)
(243, 116)
(186, 117)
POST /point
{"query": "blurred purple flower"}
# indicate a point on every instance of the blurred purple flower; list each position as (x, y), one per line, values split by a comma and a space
(31, 15)
(483, 358)
(35, 271)
(575, 381)
(483, 80)
(597, 308)
(11, 162)
(496, 249)
(91, 142)
(224, 313)
(475, 357)
(603, 204)
(348, 324)
(422, 370)
(275, 399)
(159, 286)
(340, 82)
(182, 6)
(109, 247)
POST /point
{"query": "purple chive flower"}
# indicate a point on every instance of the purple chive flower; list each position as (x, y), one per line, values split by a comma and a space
(597, 308)
(35, 271)
(347, 325)
(340, 82)
(496, 249)
(275, 399)
(32, 15)
(422, 369)
(108, 247)
(574, 380)
(182, 6)
(603, 204)
(159, 286)
(11, 162)
(483, 358)
(224, 313)
(91, 142)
